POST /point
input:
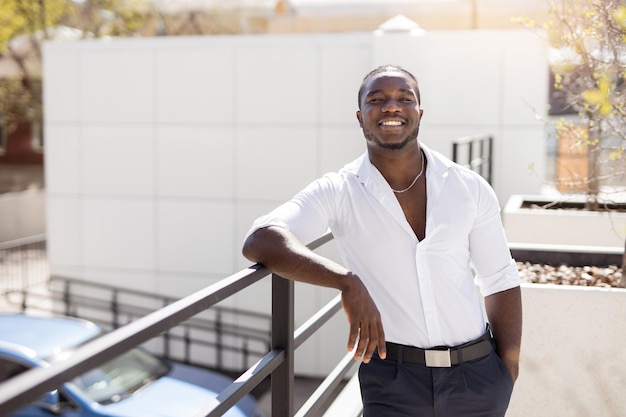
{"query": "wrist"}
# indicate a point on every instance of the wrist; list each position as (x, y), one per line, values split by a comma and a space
(350, 282)
(513, 367)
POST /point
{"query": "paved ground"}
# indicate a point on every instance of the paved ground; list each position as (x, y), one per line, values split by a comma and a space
(303, 388)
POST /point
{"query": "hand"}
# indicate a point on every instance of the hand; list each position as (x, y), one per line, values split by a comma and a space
(366, 327)
(513, 368)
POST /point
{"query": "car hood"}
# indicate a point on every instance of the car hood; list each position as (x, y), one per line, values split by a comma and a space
(166, 397)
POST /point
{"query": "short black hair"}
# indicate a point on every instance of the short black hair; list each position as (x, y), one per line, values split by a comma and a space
(387, 68)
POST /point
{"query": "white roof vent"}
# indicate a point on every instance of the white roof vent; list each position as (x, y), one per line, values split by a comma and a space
(399, 24)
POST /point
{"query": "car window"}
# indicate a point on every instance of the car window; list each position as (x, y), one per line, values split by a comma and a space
(9, 368)
(121, 376)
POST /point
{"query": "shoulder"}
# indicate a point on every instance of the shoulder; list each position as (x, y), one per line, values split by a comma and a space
(471, 178)
(463, 179)
(349, 173)
(333, 184)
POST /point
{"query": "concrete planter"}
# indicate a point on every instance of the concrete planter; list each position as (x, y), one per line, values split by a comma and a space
(562, 227)
(573, 361)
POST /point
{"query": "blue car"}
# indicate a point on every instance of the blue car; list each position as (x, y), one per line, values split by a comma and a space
(134, 384)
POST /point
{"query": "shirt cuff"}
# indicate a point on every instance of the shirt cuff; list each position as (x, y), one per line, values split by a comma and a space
(503, 280)
(263, 222)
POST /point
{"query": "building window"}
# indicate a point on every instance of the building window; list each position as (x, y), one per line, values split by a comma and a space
(36, 136)
(557, 99)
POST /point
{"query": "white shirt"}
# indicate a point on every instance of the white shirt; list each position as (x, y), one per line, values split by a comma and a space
(424, 290)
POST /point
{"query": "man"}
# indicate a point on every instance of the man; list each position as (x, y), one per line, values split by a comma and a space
(412, 228)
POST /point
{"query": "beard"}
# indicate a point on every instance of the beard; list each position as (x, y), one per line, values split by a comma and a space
(372, 138)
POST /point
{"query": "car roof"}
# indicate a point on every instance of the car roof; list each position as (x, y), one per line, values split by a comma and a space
(40, 337)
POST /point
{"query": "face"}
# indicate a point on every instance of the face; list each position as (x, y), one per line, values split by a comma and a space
(389, 114)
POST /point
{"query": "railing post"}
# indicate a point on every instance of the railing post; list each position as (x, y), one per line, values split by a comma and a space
(483, 163)
(282, 338)
(245, 352)
(187, 339)
(67, 298)
(166, 337)
(490, 163)
(219, 356)
(115, 309)
(24, 300)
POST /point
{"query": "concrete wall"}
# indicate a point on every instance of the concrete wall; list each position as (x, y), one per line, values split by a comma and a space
(160, 152)
(573, 360)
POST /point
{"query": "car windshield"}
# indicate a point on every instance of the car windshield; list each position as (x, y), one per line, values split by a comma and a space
(121, 377)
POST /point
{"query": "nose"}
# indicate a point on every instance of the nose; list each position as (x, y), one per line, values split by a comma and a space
(391, 106)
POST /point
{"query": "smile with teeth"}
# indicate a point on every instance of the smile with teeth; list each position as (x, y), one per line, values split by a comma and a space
(391, 123)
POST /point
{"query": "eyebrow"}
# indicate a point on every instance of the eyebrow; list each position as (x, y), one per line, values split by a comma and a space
(402, 90)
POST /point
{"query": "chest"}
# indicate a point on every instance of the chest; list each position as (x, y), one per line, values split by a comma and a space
(438, 215)
(413, 203)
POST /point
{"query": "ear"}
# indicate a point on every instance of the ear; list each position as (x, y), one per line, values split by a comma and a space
(358, 117)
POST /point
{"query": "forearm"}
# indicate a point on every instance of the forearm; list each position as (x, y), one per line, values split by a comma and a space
(504, 312)
(284, 254)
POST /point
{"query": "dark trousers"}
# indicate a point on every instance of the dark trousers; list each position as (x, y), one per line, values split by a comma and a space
(479, 388)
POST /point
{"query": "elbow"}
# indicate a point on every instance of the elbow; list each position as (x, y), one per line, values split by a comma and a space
(263, 245)
(255, 246)
(249, 250)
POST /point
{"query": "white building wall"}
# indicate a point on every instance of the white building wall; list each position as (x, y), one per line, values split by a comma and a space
(160, 152)
(475, 82)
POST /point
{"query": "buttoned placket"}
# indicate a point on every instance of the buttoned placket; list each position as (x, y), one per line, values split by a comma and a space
(431, 318)
(383, 193)
(434, 185)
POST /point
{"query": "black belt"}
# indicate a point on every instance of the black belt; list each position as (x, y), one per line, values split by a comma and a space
(440, 357)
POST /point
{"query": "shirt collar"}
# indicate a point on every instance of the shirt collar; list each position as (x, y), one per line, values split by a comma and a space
(437, 166)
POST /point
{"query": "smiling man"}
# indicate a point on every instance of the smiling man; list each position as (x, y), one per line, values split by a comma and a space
(417, 233)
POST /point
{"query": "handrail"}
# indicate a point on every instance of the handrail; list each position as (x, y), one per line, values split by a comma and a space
(10, 244)
(250, 342)
(317, 320)
(323, 393)
(23, 264)
(30, 385)
(482, 163)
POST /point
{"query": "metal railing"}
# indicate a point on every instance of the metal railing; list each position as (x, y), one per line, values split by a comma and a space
(277, 363)
(23, 263)
(475, 153)
(215, 333)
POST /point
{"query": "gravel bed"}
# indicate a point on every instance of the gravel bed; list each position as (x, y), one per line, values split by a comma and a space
(588, 276)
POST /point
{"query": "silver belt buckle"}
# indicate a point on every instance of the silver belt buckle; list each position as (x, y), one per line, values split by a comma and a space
(438, 358)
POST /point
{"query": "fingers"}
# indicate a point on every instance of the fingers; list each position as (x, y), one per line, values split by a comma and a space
(361, 349)
(382, 348)
(370, 338)
(366, 330)
(353, 336)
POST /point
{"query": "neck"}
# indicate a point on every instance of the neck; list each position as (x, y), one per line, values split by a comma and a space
(398, 166)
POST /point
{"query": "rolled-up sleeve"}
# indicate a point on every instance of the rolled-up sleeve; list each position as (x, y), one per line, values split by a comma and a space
(489, 251)
(306, 215)
(501, 280)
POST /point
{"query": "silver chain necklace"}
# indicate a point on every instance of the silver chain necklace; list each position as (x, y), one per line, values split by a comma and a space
(414, 181)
